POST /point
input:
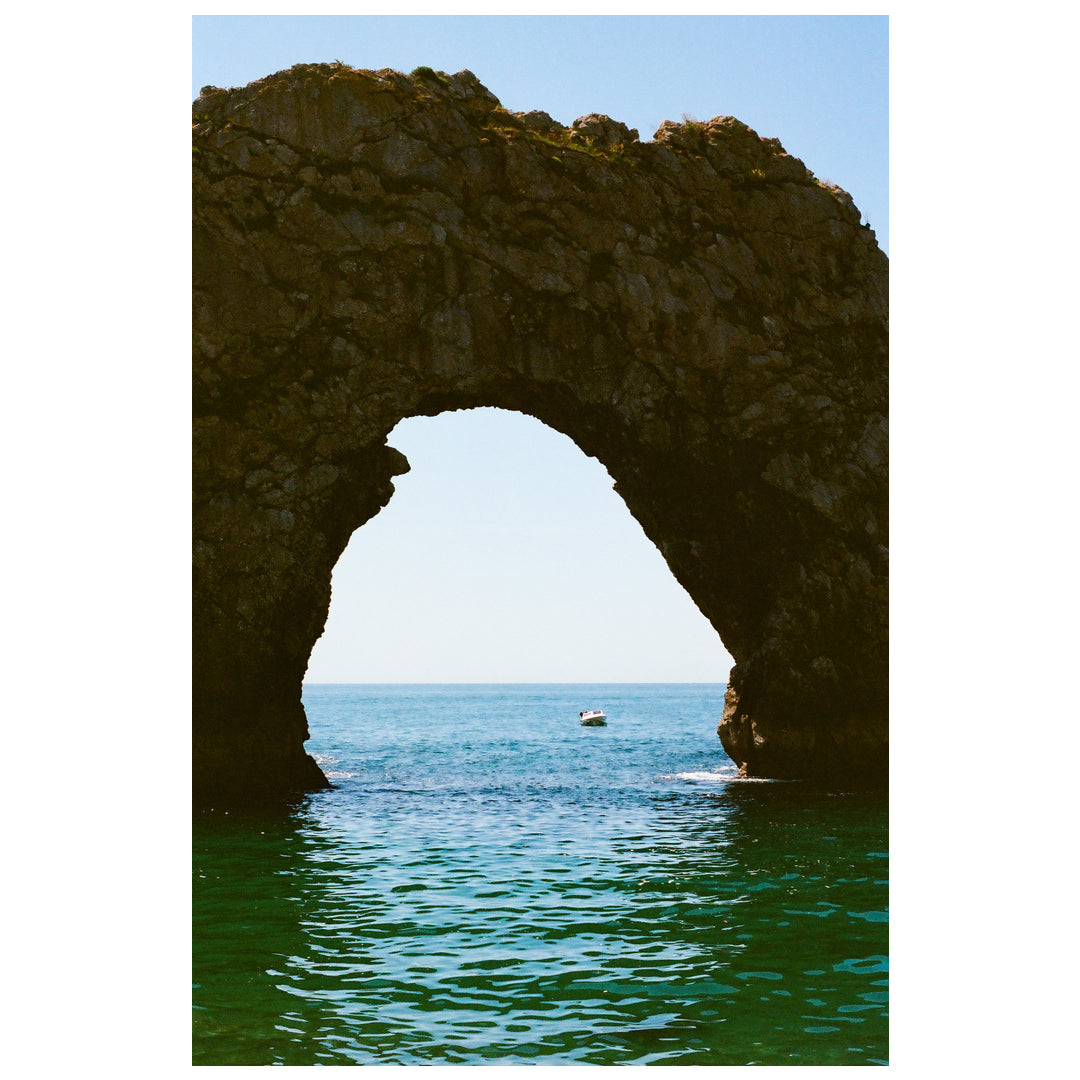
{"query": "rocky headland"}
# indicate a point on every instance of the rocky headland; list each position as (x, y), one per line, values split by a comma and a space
(698, 312)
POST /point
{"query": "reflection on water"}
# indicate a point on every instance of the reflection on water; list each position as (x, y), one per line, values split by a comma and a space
(519, 917)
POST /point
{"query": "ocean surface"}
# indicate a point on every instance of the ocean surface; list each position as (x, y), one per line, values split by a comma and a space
(488, 882)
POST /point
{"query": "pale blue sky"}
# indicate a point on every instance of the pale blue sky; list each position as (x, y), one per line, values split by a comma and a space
(504, 555)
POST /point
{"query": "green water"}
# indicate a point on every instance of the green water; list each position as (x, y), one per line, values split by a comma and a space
(489, 882)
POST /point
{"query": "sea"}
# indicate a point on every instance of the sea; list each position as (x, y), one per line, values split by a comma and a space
(488, 882)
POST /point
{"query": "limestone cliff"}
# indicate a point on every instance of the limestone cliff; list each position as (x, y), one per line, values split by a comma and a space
(698, 312)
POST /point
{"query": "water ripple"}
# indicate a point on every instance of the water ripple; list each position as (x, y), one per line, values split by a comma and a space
(521, 896)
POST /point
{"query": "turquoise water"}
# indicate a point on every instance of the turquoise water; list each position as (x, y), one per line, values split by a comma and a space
(488, 882)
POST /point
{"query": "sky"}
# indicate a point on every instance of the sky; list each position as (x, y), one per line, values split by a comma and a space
(504, 555)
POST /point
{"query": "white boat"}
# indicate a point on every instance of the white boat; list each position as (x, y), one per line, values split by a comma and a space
(593, 718)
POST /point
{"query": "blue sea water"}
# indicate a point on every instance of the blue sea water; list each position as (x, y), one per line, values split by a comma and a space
(489, 882)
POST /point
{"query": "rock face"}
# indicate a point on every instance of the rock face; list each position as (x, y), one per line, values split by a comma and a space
(698, 312)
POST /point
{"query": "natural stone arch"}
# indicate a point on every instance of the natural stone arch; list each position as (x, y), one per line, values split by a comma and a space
(699, 313)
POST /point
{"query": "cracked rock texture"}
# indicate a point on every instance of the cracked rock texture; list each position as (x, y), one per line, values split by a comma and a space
(697, 312)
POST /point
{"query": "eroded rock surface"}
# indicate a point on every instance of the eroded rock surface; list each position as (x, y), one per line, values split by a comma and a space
(698, 312)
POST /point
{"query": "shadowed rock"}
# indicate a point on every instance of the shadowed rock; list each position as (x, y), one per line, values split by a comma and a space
(698, 312)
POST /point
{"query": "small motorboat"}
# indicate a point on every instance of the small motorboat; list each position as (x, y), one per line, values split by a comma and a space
(593, 718)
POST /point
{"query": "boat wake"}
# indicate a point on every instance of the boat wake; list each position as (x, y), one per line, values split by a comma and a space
(722, 775)
(725, 774)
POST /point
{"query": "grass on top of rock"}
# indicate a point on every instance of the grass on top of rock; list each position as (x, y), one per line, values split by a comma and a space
(425, 72)
(510, 127)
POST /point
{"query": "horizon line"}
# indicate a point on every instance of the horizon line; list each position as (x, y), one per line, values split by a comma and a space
(526, 682)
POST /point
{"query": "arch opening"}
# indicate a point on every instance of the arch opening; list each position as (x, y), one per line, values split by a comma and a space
(506, 556)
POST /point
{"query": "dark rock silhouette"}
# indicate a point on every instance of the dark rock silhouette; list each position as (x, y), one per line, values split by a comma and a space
(698, 312)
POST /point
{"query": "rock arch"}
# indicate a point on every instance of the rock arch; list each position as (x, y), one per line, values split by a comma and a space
(698, 312)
